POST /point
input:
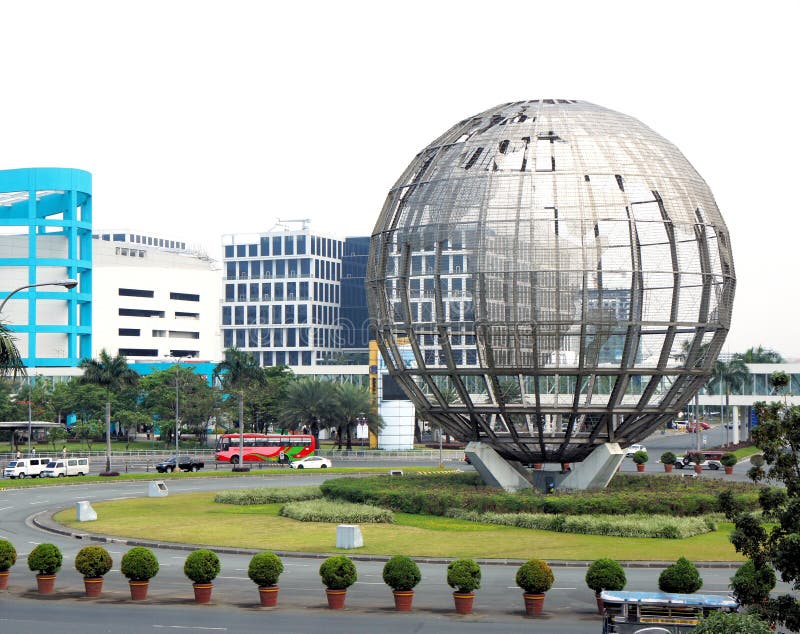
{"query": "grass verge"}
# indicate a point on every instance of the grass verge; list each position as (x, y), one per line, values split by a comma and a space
(195, 518)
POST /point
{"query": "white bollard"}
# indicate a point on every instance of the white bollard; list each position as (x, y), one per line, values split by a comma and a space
(349, 536)
(157, 489)
(84, 511)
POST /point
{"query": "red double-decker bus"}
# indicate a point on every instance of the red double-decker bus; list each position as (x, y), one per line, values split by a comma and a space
(265, 447)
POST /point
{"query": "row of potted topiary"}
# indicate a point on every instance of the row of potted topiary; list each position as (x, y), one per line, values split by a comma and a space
(668, 459)
(338, 573)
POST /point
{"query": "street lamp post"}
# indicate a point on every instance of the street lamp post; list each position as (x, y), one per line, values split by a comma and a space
(68, 284)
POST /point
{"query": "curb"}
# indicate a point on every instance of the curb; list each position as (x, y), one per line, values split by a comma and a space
(44, 521)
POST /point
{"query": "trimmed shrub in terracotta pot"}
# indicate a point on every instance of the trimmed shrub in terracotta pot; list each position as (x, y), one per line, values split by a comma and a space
(402, 574)
(668, 459)
(8, 557)
(605, 574)
(640, 457)
(728, 460)
(264, 570)
(535, 578)
(465, 576)
(338, 573)
(681, 577)
(202, 567)
(45, 560)
(697, 458)
(139, 565)
(93, 562)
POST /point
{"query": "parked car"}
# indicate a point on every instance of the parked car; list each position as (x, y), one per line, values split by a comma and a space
(66, 467)
(25, 467)
(693, 426)
(311, 462)
(683, 461)
(184, 463)
(633, 449)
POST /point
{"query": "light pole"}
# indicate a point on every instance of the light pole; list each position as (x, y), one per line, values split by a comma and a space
(68, 284)
(177, 400)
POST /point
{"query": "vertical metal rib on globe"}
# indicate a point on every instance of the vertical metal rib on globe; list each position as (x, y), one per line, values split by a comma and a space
(550, 275)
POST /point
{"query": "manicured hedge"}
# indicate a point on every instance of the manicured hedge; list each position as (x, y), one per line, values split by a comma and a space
(337, 512)
(656, 526)
(646, 495)
(268, 495)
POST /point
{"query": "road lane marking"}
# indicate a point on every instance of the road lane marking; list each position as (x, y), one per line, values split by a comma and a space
(191, 627)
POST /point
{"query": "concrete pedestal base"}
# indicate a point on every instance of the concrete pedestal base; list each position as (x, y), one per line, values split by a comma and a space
(495, 470)
(85, 512)
(349, 536)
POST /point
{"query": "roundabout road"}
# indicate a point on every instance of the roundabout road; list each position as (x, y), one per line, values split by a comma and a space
(569, 606)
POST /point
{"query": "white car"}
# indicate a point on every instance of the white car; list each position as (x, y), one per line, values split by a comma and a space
(312, 462)
(633, 449)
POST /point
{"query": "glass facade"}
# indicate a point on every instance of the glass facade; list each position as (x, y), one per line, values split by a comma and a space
(562, 276)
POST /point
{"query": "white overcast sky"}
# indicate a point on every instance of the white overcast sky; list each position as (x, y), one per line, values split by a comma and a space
(199, 119)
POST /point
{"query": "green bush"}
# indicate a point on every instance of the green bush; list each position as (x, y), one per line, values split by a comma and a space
(336, 512)
(732, 623)
(268, 495)
(640, 457)
(8, 555)
(752, 585)
(265, 568)
(338, 572)
(605, 574)
(401, 573)
(682, 577)
(651, 526)
(757, 460)
(45, 559)
(93, 561)
(464, 575)
(728, 460)
(139, 564)
(668, 458)
(695, 456)
(535, 576)
(202, 566)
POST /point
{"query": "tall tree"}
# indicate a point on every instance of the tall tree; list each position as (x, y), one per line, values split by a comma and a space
(773, 537)
(112, 374)
(355, 403)
(760, 354)
(238, 373)
(731, 375)
(309, 402)
(10, 360)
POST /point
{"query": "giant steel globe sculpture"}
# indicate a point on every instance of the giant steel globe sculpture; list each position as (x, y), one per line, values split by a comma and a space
(550, 275)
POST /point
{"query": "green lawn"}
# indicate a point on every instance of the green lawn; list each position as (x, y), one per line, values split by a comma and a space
(194, 518)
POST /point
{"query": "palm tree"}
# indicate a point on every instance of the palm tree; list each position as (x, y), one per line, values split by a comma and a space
(355, 403)
(309, 402)
(112, 374)
(238, 372)
(730, 375)
(760, 354)
(10, 361)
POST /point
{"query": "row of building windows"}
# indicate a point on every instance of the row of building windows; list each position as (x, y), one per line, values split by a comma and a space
(138, 292)
(286, 245)
(282, 268)
(140, 239)
(177, 334)
(325, 292)
(278, 337)
(153, 352)
(279, 314)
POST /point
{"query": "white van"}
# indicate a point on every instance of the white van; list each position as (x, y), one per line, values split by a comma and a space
(30, 467)
(66, 467)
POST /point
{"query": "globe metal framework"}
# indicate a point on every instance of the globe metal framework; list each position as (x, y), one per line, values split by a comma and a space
(550, 275)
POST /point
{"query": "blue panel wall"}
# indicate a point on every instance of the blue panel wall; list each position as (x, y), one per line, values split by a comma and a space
(55, 202)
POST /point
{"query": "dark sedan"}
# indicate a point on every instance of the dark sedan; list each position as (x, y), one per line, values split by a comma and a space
(184, 463)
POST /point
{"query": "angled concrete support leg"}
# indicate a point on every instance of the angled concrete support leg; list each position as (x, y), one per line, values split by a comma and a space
(597, 470)
(496, 470)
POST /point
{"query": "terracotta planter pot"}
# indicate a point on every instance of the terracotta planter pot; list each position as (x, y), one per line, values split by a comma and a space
(698, 469)
(336, 598)
(538, 466)
(403, 600)
(728, 470)
(45, 583)
(640, 467)
(93, 586)
(4, 579)
(668, 468)
(139, 590)
(533, 604)
(463, 602)
(202, 592)
(268, 596)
